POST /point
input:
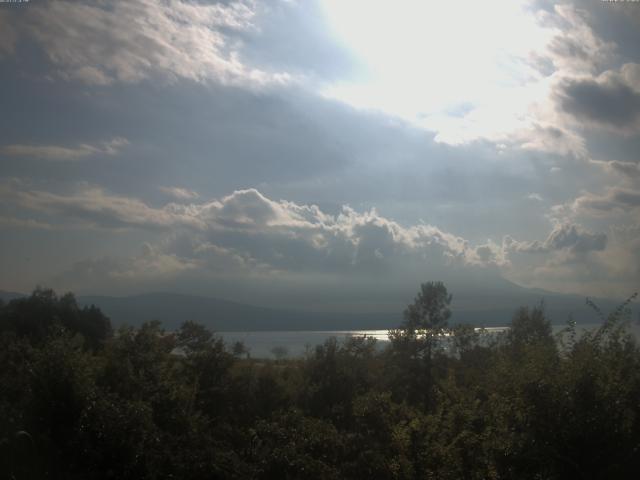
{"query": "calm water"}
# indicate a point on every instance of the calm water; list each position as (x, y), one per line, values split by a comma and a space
(295, 343)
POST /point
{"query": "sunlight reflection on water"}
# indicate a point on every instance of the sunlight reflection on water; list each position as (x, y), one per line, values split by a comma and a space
(261, 344)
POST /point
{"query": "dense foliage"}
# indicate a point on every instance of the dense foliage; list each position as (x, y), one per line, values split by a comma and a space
(78, 401)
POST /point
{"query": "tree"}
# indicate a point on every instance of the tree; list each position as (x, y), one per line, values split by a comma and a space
(280, 352)
(239, 350)
(415, 342)
(424, 320)
(530, 326)
(39, 315)
(430, 309)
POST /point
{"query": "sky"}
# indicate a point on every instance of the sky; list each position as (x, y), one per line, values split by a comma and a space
(321, 154)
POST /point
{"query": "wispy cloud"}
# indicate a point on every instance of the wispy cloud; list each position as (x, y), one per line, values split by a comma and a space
(14, 222)
(180, 193)
(615, 199)
(7, 35)
(65, 153)
(628, 170)
(576, 48)
(104, 42)
(535, 196)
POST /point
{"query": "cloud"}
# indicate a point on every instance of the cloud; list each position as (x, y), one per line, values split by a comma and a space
(293, 237)
(539, 111)
(535, 196)
(623, 257)
(615, 199)
(247, 236)
(252, 231)
(7, 35)
(13, 222)
(629, 170)
(550, 138)
(591, 265)
(180, 193)
(489, 254)
(61, 153)
(93, 206)
(150, 264)
(604, 102)
(565, 94)
(575, 239)
(571, 259)
(102, 42)
(575, 47)
(630, 75)
(568, 237)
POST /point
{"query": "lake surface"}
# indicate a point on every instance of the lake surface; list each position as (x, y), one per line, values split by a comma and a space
(295, 343)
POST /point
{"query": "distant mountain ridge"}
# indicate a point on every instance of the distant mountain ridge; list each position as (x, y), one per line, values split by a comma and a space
(223, 315)
(8, 296)
(481, 308)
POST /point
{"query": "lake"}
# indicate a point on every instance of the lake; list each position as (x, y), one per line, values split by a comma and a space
(296, 343)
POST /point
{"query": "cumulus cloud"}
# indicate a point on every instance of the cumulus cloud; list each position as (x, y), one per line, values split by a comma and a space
(589, 264)
(246, 235)
(609, 101)
(250, 231)
(489, 254)
(571, 259)
(603, 102)
(575, 239)
(290, 236)
(62, 153)
(102, 42)
(568, 237)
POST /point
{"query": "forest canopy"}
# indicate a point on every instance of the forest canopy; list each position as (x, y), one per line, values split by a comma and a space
(79, 400)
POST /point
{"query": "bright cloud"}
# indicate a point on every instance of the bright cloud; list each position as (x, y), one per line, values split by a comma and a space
(248, 233)
(102, 42)
(247, 225)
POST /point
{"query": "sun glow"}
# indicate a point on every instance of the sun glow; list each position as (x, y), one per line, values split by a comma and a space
(460, 68)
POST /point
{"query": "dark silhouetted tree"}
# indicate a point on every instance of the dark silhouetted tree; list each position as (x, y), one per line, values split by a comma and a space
(413, 345)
